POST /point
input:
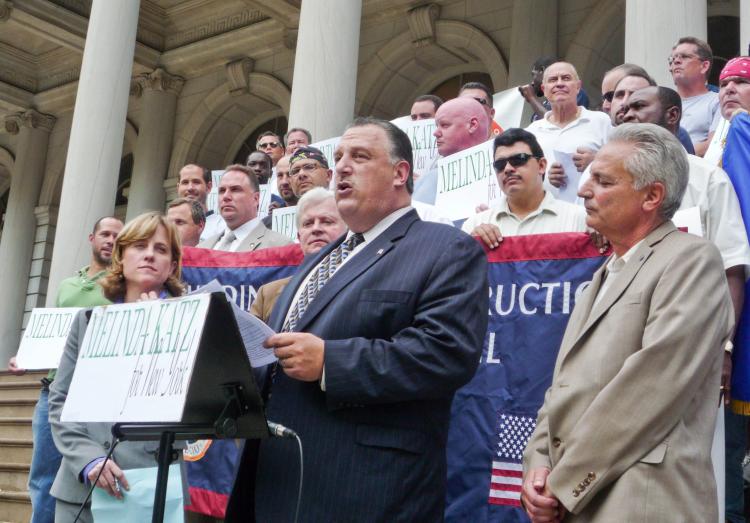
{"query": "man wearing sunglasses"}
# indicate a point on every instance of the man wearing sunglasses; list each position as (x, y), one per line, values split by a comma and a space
(527, 208)
(271, 144)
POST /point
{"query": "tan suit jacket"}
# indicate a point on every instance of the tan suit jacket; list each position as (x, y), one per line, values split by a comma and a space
(627, 424)
(259, 238)
(266, 298)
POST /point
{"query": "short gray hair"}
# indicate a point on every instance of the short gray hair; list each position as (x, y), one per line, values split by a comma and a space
(314, 196)
(658, 157)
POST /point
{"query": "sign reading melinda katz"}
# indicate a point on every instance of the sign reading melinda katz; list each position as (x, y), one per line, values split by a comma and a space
(136, 361)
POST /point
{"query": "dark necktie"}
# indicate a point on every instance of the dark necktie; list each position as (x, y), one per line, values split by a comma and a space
(320, 277)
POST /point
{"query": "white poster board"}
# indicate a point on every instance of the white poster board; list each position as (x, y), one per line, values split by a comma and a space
(212, 198)
(424, 148)
(328, 148)
(508, 107)
(264, 200)
(44, 338)
(135, 361)
(465, 180)
(284, 221)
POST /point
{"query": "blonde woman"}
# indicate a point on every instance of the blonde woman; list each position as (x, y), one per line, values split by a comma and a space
(145, 265)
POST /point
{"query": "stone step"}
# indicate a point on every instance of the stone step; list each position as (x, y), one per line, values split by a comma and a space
(16, 428)
(14, 476)
(15, 506)
(32, 375)
(13, 408)
(26, 389)
(15, 450)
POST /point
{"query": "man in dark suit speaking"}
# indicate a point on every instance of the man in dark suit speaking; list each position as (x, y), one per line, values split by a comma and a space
(376, 332)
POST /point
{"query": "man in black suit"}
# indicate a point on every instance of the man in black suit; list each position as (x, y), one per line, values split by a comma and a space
(376, 332)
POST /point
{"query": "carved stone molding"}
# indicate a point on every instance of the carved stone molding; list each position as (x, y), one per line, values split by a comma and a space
(158, 80)
(5, 8)
(422, 24)
(31, 119)
(290, 38)
(238, 72)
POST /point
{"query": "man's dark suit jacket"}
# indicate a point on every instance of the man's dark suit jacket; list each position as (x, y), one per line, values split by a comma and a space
(403, 322)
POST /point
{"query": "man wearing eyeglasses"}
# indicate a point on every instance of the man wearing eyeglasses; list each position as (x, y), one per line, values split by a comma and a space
(271, 144)
(527, 208)
(690, 64)
(309, 169)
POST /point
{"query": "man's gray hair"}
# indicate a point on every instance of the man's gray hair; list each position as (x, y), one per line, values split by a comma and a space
(314, 196)
(658, 157)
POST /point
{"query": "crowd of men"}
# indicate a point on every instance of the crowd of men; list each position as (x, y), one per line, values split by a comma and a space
(384, 319)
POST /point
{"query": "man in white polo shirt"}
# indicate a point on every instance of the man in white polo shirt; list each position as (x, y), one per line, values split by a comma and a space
(527, 208)
(568, 128)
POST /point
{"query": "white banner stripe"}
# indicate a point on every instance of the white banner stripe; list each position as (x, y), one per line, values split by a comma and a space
(507, 466)
(507, 480)
(504, 494)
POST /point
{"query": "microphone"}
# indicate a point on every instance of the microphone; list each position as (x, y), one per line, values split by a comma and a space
(280, 431)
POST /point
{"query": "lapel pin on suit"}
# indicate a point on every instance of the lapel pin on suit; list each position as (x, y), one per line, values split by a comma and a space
(380, 251)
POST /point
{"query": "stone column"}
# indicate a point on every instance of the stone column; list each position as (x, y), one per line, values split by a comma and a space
(532, 36)
(652, 28)
(159, 91)
(744, 29)
(95, 147)
(33, 130)
(325, 67)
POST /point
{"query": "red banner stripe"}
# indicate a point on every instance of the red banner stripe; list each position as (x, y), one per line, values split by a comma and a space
(558, 246)
(505, 501)
(274, 257)
(507, 473)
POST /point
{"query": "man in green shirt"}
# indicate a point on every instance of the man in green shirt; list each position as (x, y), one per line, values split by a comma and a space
(80, 290)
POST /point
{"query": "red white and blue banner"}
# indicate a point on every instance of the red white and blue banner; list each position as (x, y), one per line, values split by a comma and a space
(534, 284)
(211, 464)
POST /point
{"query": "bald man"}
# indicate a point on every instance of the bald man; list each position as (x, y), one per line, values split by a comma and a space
(460, 123)
(567, 127)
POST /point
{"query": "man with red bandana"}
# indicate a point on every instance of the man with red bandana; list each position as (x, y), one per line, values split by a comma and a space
(734, 100)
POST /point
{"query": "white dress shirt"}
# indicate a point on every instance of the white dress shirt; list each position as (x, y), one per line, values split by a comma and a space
(240, 233)
(614, 267)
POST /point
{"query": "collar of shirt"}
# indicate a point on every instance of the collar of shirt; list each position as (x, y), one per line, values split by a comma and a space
(549, 204)
(83, 274)
(617, 263)
(382, 225)
(582, 118)
(241, 232)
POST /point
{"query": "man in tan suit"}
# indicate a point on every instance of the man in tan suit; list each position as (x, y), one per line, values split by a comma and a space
(239, 194)
(626, 428)
(318, 224)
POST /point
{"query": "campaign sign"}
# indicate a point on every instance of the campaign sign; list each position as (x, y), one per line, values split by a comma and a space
(284, 221)
(212, 198)
(240, 273)
(534, 283)
(508, 107)
(465, 180)
(328, 148)
(135, 361)
(44, 338)
(424, 149)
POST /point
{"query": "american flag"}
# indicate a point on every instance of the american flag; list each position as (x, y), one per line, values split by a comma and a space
(513, 433)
